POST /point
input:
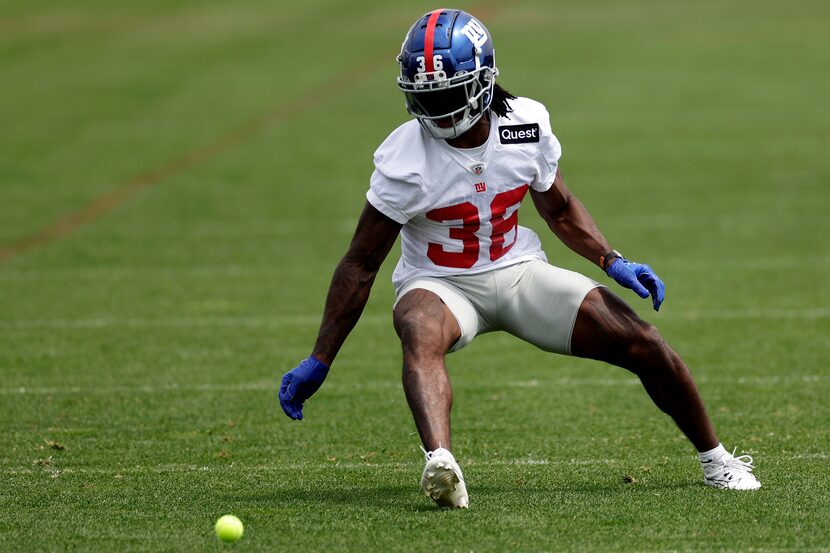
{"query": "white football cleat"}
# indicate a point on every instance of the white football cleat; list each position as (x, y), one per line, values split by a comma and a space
(730, 472)
(442, 480)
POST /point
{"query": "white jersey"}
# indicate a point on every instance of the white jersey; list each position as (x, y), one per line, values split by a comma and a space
(460, 207)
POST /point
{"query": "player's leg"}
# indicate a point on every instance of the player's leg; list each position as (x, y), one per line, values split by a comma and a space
(565, 312)
(607, 329)
(427, 329)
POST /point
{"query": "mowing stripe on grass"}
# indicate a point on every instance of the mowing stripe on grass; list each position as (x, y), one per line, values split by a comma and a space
(756, 313)
(403, 466)
(271, 386)
(180, 322)
(314, 319)
(104, 204)
(141, 273)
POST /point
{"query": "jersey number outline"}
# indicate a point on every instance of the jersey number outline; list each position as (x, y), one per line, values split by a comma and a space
(468, 214)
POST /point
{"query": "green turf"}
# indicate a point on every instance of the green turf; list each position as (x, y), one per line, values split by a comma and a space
(147, 345)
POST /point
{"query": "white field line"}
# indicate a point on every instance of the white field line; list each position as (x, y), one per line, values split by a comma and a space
(758, 380)
(271, 386)
(139, 273)
(339, 465)
(754, 313)
(181, 322)
(122, 273)
(138, 389)
(376, 319)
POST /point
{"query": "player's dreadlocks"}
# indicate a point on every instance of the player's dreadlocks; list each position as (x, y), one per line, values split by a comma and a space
(500, 105)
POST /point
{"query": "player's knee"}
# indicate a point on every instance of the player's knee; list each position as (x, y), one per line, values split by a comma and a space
(645, 345)
(649, 354)
(420, 332)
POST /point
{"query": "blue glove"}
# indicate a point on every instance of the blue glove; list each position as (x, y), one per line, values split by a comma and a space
(640, 278)
(299, 384)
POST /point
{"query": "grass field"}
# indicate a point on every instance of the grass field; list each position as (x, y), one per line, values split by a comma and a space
(179, 179)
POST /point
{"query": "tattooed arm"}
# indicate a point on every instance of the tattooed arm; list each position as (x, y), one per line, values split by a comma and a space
(349, 290)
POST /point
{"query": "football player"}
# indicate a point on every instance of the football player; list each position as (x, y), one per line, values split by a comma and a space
(450, 183)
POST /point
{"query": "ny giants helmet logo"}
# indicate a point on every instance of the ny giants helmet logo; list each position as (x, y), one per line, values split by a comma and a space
(475, 32)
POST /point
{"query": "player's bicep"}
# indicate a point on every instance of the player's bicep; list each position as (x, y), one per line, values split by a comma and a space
(553, 202)
(373, 238)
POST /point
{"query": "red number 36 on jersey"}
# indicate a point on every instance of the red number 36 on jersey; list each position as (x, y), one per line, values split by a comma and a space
(468, 214)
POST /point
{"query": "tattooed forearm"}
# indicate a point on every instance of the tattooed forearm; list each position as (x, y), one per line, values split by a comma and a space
(348, 294)
(352, 281)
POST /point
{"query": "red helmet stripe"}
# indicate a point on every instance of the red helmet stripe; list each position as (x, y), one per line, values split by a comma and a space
(429, 47)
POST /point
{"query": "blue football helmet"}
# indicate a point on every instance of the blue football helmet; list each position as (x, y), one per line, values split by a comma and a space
(448, 70)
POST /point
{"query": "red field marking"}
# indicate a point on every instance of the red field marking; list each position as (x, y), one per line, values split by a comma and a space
(109, 201)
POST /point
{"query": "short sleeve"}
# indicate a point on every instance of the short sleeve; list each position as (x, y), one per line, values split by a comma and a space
(549, 153)
(399, 200)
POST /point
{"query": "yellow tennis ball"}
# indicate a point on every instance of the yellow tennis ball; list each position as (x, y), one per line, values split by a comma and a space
(229, 528)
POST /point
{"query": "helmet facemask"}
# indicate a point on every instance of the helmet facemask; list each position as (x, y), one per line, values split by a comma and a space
(460, 100)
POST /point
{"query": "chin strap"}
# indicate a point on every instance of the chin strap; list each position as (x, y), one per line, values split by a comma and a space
(450, 132)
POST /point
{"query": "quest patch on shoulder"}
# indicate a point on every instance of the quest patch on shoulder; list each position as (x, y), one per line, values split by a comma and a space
(519, 134)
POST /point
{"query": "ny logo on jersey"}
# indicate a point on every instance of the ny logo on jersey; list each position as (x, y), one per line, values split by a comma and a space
(475, 32)
(481, 187)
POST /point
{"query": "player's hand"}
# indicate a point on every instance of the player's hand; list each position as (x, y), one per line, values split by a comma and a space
(640, 278)
(299, 384)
